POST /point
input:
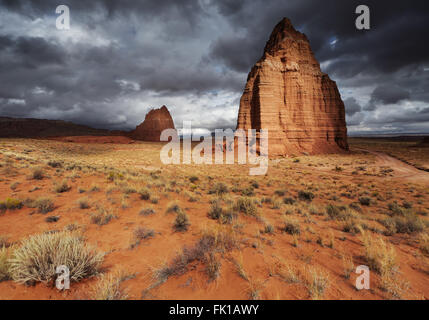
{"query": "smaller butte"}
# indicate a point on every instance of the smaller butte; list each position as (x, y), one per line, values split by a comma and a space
(156, 121)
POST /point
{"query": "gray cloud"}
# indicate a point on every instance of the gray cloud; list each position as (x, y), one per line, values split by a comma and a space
(121, 58)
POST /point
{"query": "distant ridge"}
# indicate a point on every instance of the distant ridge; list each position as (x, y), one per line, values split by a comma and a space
(42, 128)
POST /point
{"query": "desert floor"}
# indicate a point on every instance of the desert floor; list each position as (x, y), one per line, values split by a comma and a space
(297, 233)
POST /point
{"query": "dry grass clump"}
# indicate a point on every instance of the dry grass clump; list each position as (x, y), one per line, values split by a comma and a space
(36, 259)
(317, 283)
(102, 217)
(213, 265)
(43, 205)
(247, 206)
(348, 265)
(144, 194)
(305, 195)
(173, 207)
(141, 233)
(181, 223)
(4, 265)
(60, 187)
(287, 272)
(219, 188)
(408, 223)
(216, 210)
(424, 243)
(147, 211)
(380, 256)
(83, 203)
(291, 226)
(108, 287)
(37, 174)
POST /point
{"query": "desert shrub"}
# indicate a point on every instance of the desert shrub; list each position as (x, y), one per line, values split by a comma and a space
(291, 226)
(216, 210)
(11, 204)
(407, 205)
(317, 284)
(60, 187)
(44, 205)
(102, 217)
(337, 212)
(154, 199)
(246, 205)
(248, 192)
(365, 201)
(305, 195)
(83, 203)
(424, 243)
(144, 194)
(140, 234)
(290, 201)
(280, 193)
(409, 223)
(255, 184)
(193, 179)
(4, 265)
(55, 164)
(147, 211)
(268, 228)
(219, 188)
(181, 223)
(351, 226)
(112, 176)
(37, 174)
(108, 287)
(380, 256)
(173, 207)
(51, 219)
(213, 265)
(228, 216)
(348, 265)
(39, 255)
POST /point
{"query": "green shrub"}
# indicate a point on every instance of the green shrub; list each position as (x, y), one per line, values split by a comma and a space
(11, 204)
(38, 256)
(408, 223)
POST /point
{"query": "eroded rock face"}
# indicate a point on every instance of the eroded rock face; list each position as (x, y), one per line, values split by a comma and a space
(155, 122)
(287, 93)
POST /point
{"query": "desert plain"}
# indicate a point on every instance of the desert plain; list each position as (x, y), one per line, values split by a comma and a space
(152, 231)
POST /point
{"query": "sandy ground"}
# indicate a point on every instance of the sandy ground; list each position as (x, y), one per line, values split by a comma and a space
(260, 264)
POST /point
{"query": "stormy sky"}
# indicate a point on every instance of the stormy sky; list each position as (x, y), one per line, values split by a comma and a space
(121, 58)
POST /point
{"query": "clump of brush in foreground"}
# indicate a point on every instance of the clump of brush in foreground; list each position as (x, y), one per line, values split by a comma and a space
(39, 255)
(108, 287)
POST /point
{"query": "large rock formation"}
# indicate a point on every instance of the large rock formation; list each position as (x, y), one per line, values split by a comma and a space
(287, 93)
(155, 122)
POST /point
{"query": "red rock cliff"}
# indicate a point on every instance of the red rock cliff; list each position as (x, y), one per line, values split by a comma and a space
(287, 93)
(155, 122)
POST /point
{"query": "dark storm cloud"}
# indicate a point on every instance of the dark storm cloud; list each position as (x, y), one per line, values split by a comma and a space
(122, 57)
(352, 107)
